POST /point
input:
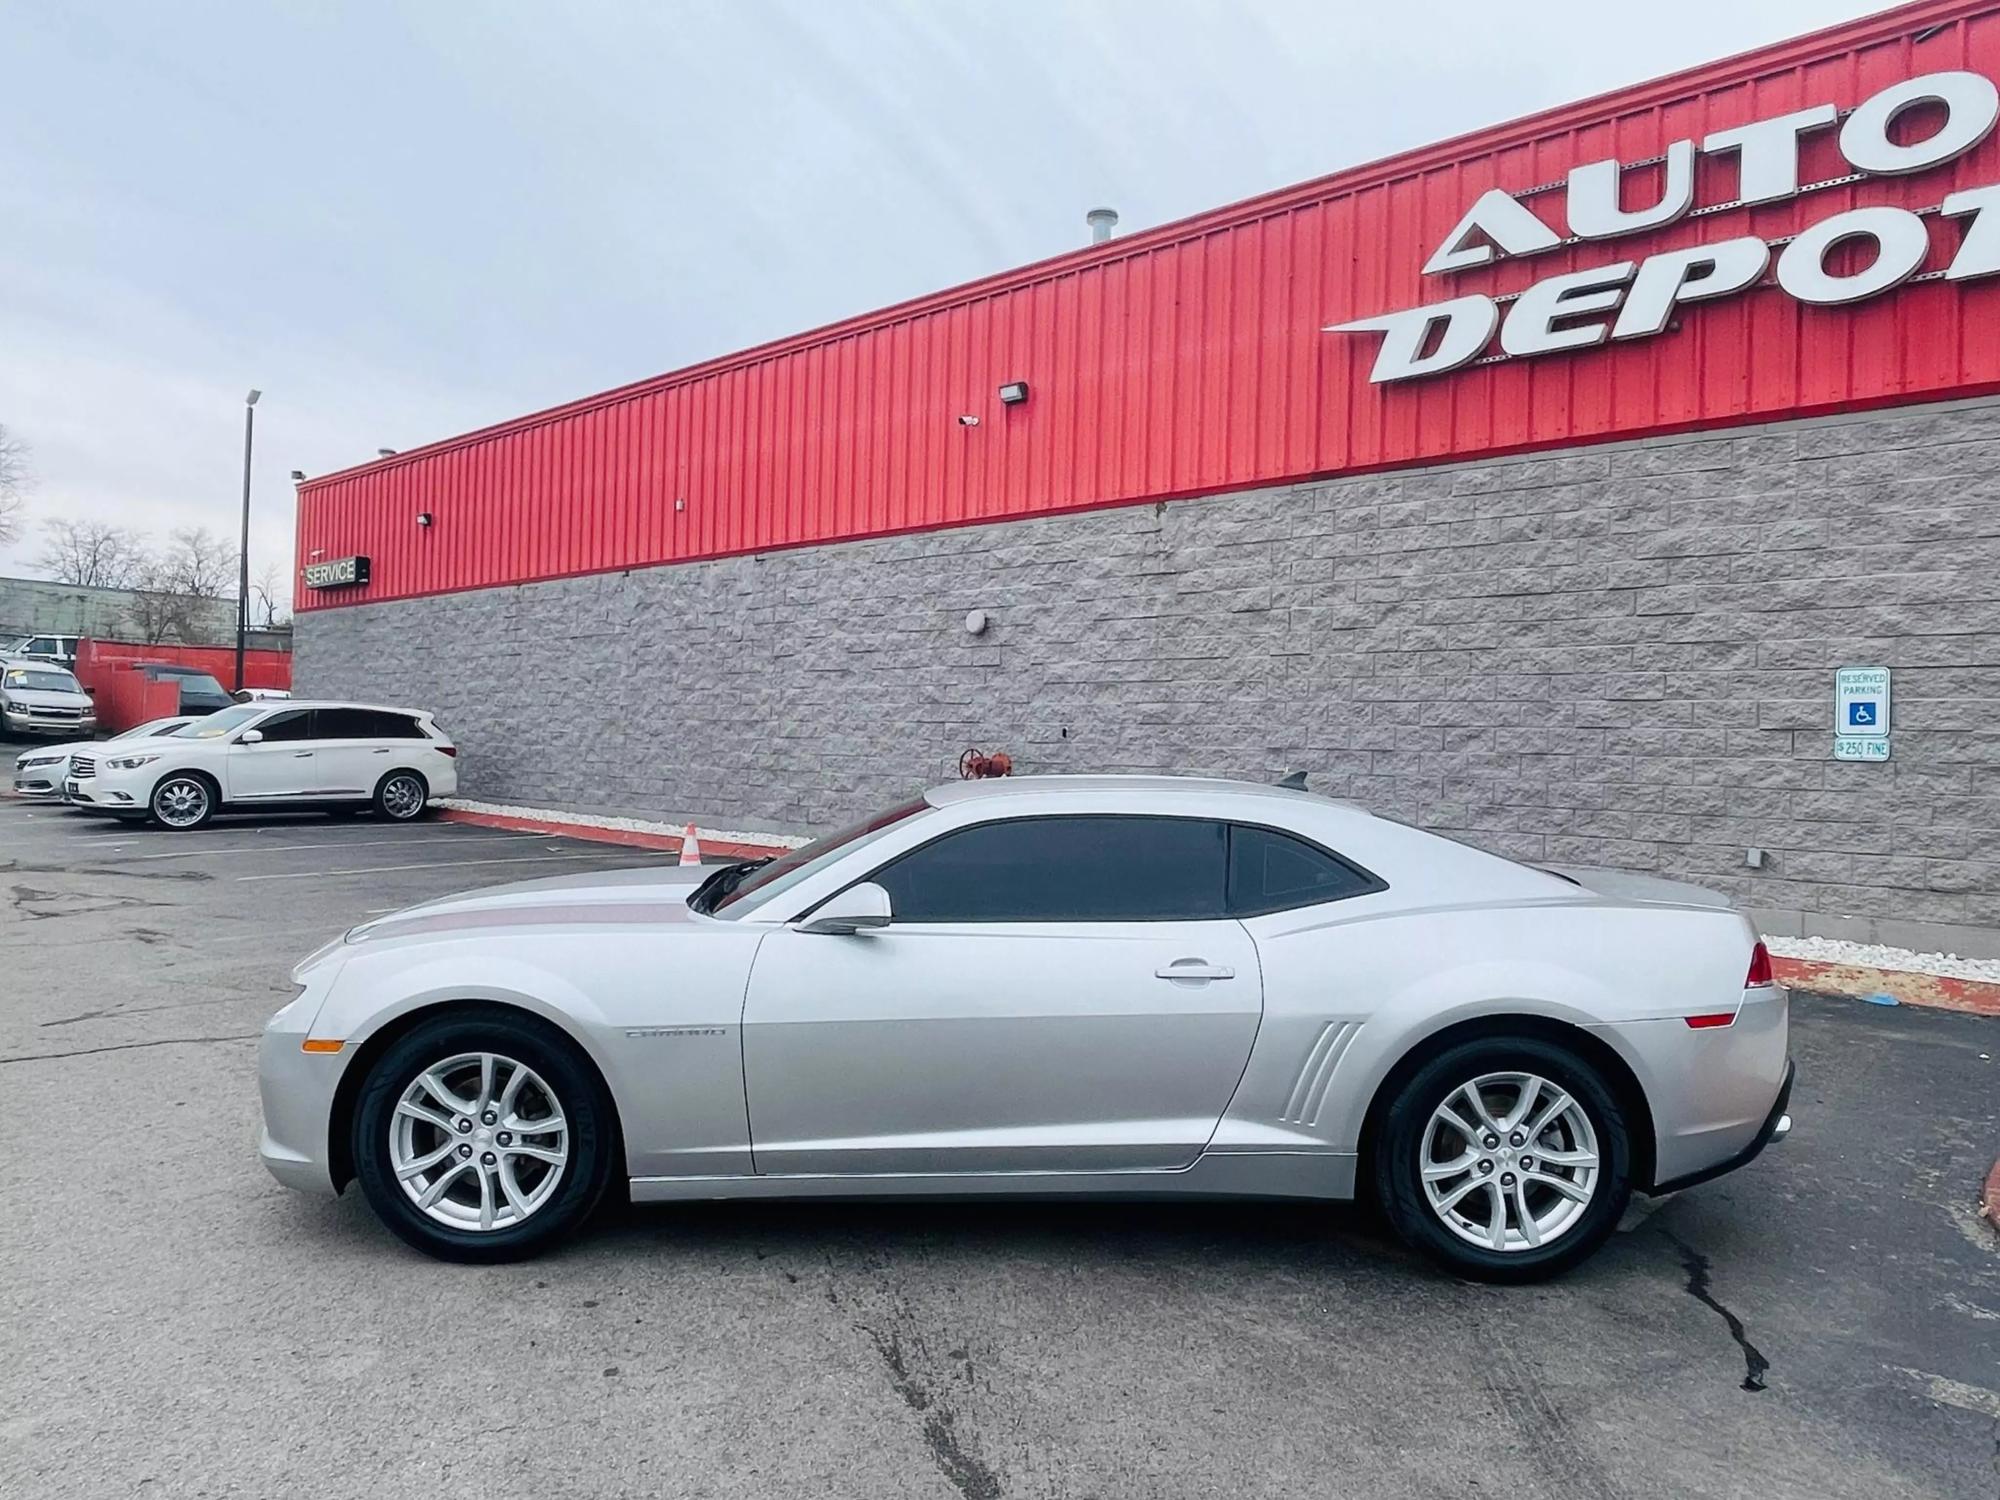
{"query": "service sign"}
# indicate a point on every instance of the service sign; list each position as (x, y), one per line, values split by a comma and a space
(1844, 257)
(337, 573)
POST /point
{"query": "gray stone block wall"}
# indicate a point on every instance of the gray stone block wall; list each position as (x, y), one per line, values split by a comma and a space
(1618, 655)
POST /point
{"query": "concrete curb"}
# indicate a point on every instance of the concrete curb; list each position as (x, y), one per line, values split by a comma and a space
(1972, 996)
(631, 838)
(1990, 1199)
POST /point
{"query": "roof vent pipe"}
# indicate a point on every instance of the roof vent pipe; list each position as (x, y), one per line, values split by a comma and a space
(1101, 221)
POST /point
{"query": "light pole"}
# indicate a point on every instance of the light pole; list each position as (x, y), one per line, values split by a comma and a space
(243, 548)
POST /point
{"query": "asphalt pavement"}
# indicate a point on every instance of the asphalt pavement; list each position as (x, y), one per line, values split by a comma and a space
(1824, 1324)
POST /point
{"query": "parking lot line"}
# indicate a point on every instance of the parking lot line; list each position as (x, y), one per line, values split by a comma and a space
(439, 864)
(318, 844)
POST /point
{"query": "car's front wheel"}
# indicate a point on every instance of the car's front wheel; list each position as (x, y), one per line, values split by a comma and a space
(1506, 1158)
(483, 1135)
(183, 800)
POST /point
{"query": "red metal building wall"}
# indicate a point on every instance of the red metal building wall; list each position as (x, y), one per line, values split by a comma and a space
(1191, 359)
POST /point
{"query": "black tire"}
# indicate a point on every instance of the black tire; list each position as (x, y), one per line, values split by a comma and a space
(390, 793)
(1400, 1150)
(592, 1135)
(167, 806)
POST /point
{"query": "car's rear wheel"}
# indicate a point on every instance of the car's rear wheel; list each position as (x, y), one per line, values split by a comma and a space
(483, 1135)
(402, 796)
(183, 801)
(1506, 1158)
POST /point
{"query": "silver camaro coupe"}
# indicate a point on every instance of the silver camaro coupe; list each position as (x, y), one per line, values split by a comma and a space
(1045, 985)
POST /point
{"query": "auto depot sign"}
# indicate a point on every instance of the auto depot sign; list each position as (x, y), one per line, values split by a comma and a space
(1844, 258)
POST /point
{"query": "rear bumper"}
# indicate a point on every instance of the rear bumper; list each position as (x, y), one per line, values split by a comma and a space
(1777, 1125)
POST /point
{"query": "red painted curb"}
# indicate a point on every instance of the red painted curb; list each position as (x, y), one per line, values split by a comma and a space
(1990, 1200)
(631, 838)
(1972, 996)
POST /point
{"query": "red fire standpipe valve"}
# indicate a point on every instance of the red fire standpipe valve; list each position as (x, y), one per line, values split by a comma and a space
(973, 766)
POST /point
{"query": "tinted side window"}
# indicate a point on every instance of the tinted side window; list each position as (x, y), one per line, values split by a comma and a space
(1080, 869)
(362, 724)
(291, 726)
(1272, 871)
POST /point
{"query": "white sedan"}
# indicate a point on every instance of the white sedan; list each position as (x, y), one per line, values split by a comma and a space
(337, 757)
(1039, 986)
(39, 773)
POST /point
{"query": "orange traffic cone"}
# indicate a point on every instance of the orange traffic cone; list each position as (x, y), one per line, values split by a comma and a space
(690, 847)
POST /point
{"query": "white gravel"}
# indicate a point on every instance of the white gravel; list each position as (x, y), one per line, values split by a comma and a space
(1880, 956)
(622, 825)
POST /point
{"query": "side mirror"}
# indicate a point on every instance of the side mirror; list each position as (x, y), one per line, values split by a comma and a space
(250, 737)
(856, 909)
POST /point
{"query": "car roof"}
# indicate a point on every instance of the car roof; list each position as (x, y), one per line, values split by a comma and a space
(291, 703)
(1003, 786)
(32, 661)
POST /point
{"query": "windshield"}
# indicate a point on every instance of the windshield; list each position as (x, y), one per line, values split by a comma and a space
(218, 724)
(197, 683)
(780, 874)
(41, 680)
(150, 728)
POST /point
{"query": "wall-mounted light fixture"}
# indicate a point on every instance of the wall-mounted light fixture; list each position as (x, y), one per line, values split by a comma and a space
(385, 452)
(968, 421)
(298, 476)
(1014, 392)
(423, 518)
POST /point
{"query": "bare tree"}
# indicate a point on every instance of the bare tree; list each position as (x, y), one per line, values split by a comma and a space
(156, 617)
(94, 554)
(196, 564)
(271, 600)
(13, 481)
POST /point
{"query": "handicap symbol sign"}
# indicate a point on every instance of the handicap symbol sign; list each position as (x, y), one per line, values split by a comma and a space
(1861, 714)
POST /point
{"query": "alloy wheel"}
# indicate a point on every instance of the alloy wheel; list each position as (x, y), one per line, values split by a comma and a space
(479, 1141)
(181, 803)
(402, 797)
(1510, 1162)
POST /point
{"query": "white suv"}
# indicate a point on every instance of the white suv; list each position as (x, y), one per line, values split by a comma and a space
(341, 757)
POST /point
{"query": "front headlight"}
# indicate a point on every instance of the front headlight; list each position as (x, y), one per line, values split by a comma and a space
(28, 761)
(130, 762)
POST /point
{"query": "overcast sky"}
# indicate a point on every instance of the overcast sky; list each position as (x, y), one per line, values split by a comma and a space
(405, 220)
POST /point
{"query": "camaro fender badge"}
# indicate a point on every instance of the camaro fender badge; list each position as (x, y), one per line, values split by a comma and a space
(654, 1031)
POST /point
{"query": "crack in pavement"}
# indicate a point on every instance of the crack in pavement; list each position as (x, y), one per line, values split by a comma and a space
(1697, 1268)
(169, 1041)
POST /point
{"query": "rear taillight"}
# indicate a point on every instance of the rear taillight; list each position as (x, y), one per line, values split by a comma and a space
(452, 750)
(1718, 1018)
(1760, 968)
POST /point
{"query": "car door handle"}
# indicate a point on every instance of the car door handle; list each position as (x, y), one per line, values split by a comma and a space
(301, 755)
(381, 750)
(1194, 968)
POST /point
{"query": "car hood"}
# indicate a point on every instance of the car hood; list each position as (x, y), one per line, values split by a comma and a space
(44, 698)
(51, 752)
(604, 897)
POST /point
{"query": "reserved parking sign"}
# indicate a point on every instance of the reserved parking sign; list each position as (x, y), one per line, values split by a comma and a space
(1861, 713)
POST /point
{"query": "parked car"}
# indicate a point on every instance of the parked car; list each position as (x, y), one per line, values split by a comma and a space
(60, 649)
(200, 692)
(39, 773)
(39, 697)
(258, 694)
(1097, 985)
(340, 757)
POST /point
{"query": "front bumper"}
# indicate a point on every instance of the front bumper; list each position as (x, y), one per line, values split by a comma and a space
(127, 792)
(29, 723)
(40, 783)
(297, 1089)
